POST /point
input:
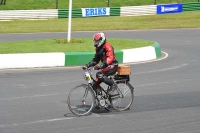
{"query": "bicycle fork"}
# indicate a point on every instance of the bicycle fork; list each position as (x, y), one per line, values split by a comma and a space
(84, 96)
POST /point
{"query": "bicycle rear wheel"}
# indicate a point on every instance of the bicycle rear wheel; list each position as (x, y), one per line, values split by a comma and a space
(81, 100)
(122, 98)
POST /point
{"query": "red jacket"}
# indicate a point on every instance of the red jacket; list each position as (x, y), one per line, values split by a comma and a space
(105, 54)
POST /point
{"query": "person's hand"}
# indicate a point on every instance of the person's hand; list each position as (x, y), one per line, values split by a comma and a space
(84, 67)
(97, 67)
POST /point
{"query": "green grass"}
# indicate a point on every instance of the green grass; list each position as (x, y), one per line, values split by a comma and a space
(182, 20)
(51, 45)
(51, 4)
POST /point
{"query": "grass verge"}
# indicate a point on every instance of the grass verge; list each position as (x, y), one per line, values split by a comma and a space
(168, 21)
(52, 45)
(183, 20)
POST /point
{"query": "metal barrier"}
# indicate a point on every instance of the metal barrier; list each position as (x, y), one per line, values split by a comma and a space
(79, 12)
(191, 6)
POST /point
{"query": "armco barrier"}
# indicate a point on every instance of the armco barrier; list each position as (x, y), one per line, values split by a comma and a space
(28, 14)
(138, 10)
(115, 11)
(29, 60)
(192, 6)
(77, 12)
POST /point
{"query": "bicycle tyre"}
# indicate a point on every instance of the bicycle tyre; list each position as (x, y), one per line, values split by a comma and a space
(81, 100)
(122, 103)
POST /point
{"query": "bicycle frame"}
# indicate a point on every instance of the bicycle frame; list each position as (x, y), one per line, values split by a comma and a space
(90, 80)
(118, 90)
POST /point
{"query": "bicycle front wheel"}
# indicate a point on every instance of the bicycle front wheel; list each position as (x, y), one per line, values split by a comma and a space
(122, 97)
(81, 100)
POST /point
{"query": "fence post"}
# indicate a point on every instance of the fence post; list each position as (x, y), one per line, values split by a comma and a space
(154, 2)
(3, 2)
(56, 4)
(108, 3)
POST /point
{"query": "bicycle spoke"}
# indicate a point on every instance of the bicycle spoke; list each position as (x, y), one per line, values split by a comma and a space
(81, 102)
(124, 99)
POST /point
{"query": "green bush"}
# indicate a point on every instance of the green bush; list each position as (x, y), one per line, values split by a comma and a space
(72, 40)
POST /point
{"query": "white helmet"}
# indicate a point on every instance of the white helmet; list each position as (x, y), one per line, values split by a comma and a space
(99, 39)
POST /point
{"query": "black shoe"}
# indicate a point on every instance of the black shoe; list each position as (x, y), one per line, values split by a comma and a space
(111, 89)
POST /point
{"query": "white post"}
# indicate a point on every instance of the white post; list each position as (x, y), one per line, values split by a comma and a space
(69, 20)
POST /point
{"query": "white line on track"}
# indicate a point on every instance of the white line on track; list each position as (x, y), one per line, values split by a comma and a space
(34, 96)
(162, 70)
(52, 120)
(36, 122)
(177, 81)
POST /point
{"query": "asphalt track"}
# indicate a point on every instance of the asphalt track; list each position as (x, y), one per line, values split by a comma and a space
(167, 92)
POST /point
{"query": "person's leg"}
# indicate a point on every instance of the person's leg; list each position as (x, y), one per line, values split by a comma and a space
(102, 75)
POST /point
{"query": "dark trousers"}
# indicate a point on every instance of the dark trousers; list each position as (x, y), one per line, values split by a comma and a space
(101, 76)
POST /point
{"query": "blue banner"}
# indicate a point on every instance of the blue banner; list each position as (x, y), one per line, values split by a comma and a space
(90, 12)
(169, 8)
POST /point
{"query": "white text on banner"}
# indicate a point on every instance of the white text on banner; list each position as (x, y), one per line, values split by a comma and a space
(90, 12)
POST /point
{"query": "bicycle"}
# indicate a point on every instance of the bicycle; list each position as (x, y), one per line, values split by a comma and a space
(83, 98)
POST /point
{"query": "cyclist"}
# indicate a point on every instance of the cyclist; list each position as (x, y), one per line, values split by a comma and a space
(109, 64)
